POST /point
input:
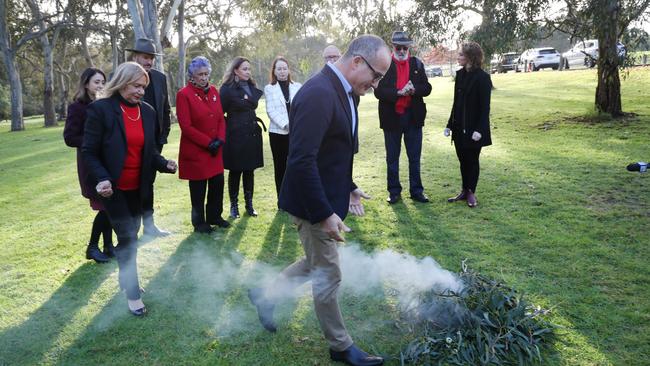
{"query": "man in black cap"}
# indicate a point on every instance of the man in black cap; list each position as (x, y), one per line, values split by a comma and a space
(401, 113)
(144, 53)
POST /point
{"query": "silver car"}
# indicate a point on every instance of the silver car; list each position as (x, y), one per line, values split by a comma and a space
(585, 53)
(535, 59)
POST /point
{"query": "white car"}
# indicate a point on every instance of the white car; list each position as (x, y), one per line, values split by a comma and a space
(538, 58)
(586, 53)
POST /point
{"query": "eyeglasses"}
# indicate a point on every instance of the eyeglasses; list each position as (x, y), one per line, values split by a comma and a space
(377, 76)
(401, 48)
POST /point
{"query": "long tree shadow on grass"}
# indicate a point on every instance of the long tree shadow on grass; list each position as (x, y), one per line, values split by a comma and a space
(33, 340)
(185, 300)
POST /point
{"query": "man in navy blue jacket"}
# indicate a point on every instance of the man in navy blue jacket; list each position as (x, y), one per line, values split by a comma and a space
(318, 191)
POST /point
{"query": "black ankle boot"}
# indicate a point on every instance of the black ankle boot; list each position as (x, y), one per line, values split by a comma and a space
(109, 250)
(248, 197)
(234, 210)
(93, 252)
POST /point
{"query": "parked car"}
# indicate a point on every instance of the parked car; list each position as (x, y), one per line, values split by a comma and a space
(433, 71)
(503, 62)
(586, 53)
(535, 59)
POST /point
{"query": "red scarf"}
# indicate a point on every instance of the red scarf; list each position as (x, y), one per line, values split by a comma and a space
(403, 71)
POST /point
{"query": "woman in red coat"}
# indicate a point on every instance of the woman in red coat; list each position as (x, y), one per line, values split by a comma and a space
(203, 132)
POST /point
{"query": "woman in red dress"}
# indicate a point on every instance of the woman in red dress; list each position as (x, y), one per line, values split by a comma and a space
(203, 132)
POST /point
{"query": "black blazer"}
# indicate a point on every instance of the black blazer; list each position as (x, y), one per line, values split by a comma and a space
(159, 81)
(318, 179)
(104, 144)
(471, 109)
(386, 92)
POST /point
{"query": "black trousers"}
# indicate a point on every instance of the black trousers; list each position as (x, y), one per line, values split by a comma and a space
(101, 226)
(124, 209)
(147, 202)
(214, 206)
(234, 177)
(469, 166)
(280, 150)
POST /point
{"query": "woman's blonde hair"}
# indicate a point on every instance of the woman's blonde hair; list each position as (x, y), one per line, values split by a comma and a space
(473, 53)
(125, 74)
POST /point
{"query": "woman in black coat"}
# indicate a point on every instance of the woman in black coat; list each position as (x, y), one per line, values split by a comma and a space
(119, 150)
(91, 83)
(242, 152)
(469, 122)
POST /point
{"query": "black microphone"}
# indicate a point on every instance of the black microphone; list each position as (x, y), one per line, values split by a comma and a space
(638, 167)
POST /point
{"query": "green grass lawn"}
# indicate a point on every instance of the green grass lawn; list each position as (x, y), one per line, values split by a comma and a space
(559, 219)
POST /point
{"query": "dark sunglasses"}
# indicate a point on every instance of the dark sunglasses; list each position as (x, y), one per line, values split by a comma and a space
(377, 76)
(401, 48)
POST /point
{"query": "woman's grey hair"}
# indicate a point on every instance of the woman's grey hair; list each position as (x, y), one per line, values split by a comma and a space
(124, 74)
(197, 63)
(366, 45)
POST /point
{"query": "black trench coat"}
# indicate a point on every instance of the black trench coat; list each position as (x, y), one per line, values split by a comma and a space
(243, 147)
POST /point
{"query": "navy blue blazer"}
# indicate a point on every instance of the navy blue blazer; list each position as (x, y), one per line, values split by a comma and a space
(318, 179)
(104, 144)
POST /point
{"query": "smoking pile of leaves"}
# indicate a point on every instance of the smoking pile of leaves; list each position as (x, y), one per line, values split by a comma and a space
(485, 323)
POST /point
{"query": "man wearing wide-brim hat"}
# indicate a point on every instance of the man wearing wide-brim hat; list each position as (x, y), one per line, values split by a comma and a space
(401, 114)
(144, 53)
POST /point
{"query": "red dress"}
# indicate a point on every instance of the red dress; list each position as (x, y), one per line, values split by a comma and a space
(200, 117)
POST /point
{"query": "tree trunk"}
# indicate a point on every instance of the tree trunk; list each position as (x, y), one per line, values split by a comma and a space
(9, 58)
(17, 122)
(150, 15)
(48, 78)
(608, 91)
(136, 19)
(181, 46)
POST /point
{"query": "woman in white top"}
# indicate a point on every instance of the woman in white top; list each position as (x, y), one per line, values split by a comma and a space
(279, 94)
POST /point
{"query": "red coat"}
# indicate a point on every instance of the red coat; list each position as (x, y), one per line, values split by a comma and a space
(201, 120)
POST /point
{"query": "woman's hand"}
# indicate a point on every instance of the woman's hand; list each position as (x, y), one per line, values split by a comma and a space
(476, 136)
(172, 166)
(446, 132)
(104, 188)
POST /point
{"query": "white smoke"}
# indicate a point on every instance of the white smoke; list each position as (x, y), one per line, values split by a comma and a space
(407, 275)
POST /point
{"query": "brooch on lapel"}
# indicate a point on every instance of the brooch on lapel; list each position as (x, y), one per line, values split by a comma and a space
(214, 98)
(245, 96)
(415, 72)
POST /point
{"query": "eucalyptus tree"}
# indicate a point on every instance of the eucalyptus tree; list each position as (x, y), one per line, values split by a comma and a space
(606, 20)
(15, 32)
(503, 22)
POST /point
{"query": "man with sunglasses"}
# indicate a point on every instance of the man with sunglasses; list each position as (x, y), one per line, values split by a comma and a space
(401, 113)
(318, 191)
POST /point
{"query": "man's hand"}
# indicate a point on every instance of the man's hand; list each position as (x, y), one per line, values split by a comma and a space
(172, 166)
(104, 188)
(356, 207)
(333, 226)
(476, 136)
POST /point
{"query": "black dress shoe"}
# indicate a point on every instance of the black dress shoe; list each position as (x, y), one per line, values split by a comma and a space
(219, 222)
(393, 199)
(139, 312)
(356, 357)
(93, 252)
(420, 198)
(203, 228)
(264, 309)
(154, 231)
